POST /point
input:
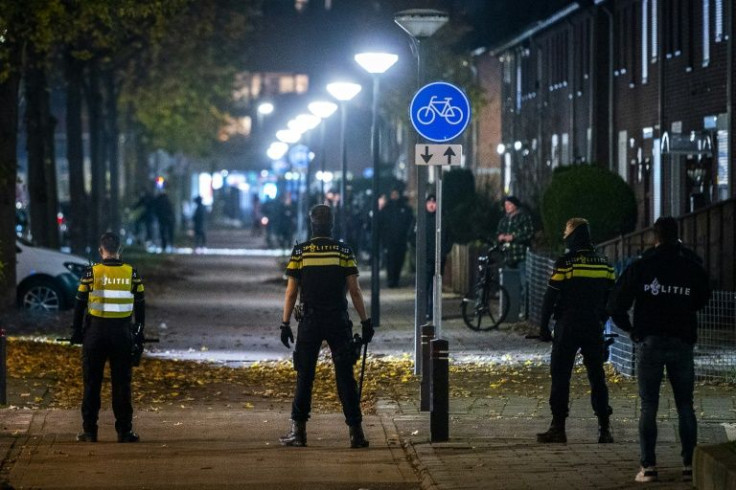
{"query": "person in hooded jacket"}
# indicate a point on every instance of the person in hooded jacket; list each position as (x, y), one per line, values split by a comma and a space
(667, 286)
(576, 296)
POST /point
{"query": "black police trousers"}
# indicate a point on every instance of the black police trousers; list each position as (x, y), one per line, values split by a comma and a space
(107, 339)
(335, 328)
(571, 336)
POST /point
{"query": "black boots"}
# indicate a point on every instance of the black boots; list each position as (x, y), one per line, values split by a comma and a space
(357, 438)
(128, 436)
(87, 437)
(298, 435)
(555, 433)
(604, 430)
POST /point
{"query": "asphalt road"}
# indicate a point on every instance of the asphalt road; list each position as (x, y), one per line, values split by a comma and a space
(224, 305)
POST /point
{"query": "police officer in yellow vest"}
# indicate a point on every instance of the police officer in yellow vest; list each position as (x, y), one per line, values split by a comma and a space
(109, 293)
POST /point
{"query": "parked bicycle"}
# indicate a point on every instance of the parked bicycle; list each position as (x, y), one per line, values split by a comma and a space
(487, 303)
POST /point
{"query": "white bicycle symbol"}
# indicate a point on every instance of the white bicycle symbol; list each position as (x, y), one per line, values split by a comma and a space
(452, 114)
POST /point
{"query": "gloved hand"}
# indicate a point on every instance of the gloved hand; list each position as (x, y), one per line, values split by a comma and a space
(367, 330)
(286, 334)
(635, 337)
(545, 335)
(77, 337)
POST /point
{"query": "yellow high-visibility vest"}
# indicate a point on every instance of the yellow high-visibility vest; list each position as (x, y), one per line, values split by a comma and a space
(111, 291)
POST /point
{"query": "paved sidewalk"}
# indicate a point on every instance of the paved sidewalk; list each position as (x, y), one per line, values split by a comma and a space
(492, 446)
(202, 447)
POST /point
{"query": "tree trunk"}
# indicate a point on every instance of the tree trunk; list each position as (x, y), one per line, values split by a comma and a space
(113, 149)
(8, 178)
(98, 172)
(75, 156)
(41, 160)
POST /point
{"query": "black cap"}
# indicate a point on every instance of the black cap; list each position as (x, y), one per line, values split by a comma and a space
(321, 215)
(430, 197)
(513, 200)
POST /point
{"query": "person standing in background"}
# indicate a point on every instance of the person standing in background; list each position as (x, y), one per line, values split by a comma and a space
(515, 232)
(396, 221)
(199, 219)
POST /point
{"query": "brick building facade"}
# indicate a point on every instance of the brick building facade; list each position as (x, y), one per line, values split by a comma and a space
(644, 87)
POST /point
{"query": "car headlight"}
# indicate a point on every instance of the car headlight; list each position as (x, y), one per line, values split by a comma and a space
(76, 268)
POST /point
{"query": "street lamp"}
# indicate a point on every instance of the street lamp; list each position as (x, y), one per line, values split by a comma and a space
(375, 64)
(264, 109)
(322, 109)
(420, 24)
(344, 92)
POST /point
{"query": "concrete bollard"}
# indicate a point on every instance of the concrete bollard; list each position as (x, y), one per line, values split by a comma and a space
(439, 414)
(425, 387)
(3, 369)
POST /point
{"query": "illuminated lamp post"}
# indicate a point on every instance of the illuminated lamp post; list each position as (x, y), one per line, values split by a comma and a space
(375, 64)
(344, 92)
(322, 109)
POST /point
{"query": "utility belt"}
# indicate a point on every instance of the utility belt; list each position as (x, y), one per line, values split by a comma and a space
(304, 310)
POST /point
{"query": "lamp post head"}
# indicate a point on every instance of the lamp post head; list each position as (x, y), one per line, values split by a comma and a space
(277, 150)
(265, 108)
(343, 91)
(376, 62)
(421, 23)
(288, 136)
(322, 108)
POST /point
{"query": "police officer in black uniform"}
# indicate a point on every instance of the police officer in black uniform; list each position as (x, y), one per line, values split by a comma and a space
(576, 294)
(667, 286)
(322, 270)
(109, 294)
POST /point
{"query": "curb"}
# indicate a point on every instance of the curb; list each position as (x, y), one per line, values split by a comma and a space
(714, 467)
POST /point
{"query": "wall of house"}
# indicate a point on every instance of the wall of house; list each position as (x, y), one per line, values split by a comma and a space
(567, 98)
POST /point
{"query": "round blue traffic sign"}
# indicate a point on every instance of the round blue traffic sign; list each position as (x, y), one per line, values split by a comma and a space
(439, 111)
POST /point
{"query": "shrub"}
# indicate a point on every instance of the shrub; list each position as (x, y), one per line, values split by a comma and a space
(468, 215)
(590, 192)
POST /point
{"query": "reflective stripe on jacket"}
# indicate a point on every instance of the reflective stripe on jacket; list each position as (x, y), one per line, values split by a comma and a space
(111, 290)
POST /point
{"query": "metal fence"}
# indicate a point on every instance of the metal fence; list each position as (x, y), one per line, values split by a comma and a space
(715, 351)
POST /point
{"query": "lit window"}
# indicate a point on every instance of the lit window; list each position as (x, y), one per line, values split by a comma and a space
(719, 21)
(706, 32)
(302, 83)
(655, 46)
(286, 84)
(645, 40)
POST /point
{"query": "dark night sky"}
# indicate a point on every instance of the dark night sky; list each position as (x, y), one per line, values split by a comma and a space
(292, 41)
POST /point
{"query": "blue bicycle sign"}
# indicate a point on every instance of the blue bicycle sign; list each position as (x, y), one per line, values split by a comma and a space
(452, 114)
(440, 111)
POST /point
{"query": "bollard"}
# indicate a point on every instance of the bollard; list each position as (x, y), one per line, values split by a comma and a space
(426, 369)
(3, 369)
(439, 414)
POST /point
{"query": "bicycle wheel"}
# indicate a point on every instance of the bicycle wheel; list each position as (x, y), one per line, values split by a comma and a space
(425, 115)
(485, 310)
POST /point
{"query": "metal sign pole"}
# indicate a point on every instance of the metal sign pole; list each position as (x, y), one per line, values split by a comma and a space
(437, 289)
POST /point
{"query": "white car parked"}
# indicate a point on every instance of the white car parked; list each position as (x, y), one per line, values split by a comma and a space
(46, 280)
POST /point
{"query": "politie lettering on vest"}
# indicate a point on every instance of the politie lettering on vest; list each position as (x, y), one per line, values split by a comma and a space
(655, 288)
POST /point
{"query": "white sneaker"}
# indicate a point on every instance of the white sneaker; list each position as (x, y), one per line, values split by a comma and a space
(647, 474)
(687, 473)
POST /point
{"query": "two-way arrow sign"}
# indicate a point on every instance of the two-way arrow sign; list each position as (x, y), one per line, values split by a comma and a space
(438, 154)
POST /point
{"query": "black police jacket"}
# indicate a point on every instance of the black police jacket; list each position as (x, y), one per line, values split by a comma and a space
(579, 285)
(667, 286)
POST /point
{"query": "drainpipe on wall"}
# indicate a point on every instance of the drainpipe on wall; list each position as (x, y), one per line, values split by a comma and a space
(593, 153)
(729, 96)
(571, 140)
(611, 139)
